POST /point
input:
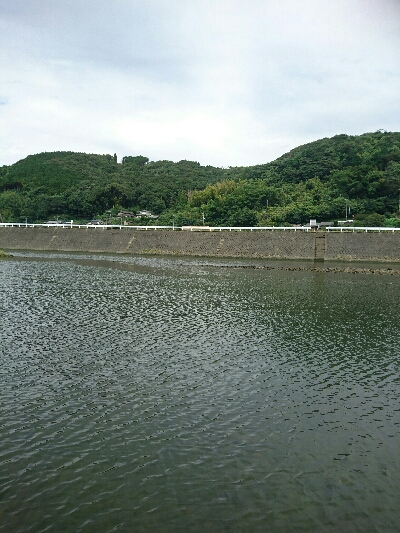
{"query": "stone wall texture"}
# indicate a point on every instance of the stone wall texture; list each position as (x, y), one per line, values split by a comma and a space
(257, 244)
(363, 246)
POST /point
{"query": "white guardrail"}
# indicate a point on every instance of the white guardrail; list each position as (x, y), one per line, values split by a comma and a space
(198, 228)
(361, 229)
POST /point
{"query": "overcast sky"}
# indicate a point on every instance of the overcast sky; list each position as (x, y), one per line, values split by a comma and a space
(222, 82)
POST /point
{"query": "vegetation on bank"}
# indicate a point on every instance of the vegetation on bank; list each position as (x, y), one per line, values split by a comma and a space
(3, 254)
(329, 179)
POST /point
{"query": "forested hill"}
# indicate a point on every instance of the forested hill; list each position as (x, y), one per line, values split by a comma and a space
(316, 180)
(318, 159)
(85, 185)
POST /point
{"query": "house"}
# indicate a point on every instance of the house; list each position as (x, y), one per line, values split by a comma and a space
(126, 214)
(146, 214)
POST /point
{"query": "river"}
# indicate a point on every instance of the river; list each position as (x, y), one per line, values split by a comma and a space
(156, 394)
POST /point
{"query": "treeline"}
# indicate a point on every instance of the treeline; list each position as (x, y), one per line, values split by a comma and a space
(329, 179)
(82, 186)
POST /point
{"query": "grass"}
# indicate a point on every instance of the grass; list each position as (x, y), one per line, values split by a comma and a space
(3, 254)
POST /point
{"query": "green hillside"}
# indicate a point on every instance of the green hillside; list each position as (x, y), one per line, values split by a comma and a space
(78, 185)
(316, 180)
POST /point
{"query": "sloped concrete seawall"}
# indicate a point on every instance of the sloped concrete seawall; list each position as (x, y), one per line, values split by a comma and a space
(363, 246)
(256, 244)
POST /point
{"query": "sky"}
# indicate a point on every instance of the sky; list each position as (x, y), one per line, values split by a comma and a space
(221, 82)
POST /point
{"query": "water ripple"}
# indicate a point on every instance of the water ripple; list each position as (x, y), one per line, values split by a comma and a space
(153, 394)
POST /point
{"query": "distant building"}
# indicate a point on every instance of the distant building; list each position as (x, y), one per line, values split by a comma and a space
(126, 214)
(325, 224)
(146, 214)
(314, 225)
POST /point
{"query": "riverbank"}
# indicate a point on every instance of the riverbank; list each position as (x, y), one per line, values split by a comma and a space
(334, 270)
(265, 244)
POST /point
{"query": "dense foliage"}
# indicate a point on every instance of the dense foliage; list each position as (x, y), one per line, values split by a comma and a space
(77, 185)
(328, 179)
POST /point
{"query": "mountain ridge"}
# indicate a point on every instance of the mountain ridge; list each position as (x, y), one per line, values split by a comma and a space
(311, 180)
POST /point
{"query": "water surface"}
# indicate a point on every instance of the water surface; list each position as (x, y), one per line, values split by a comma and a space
(166, 394)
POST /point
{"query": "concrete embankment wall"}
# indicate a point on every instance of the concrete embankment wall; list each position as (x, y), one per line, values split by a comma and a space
(260, 243)
(363, 246)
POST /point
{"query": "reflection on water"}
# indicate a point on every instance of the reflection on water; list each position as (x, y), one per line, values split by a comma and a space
(163, 395)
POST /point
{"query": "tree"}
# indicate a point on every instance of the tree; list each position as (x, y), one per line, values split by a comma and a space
(138, 160)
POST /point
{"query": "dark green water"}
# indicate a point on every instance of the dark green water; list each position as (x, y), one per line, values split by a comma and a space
(164, 395)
